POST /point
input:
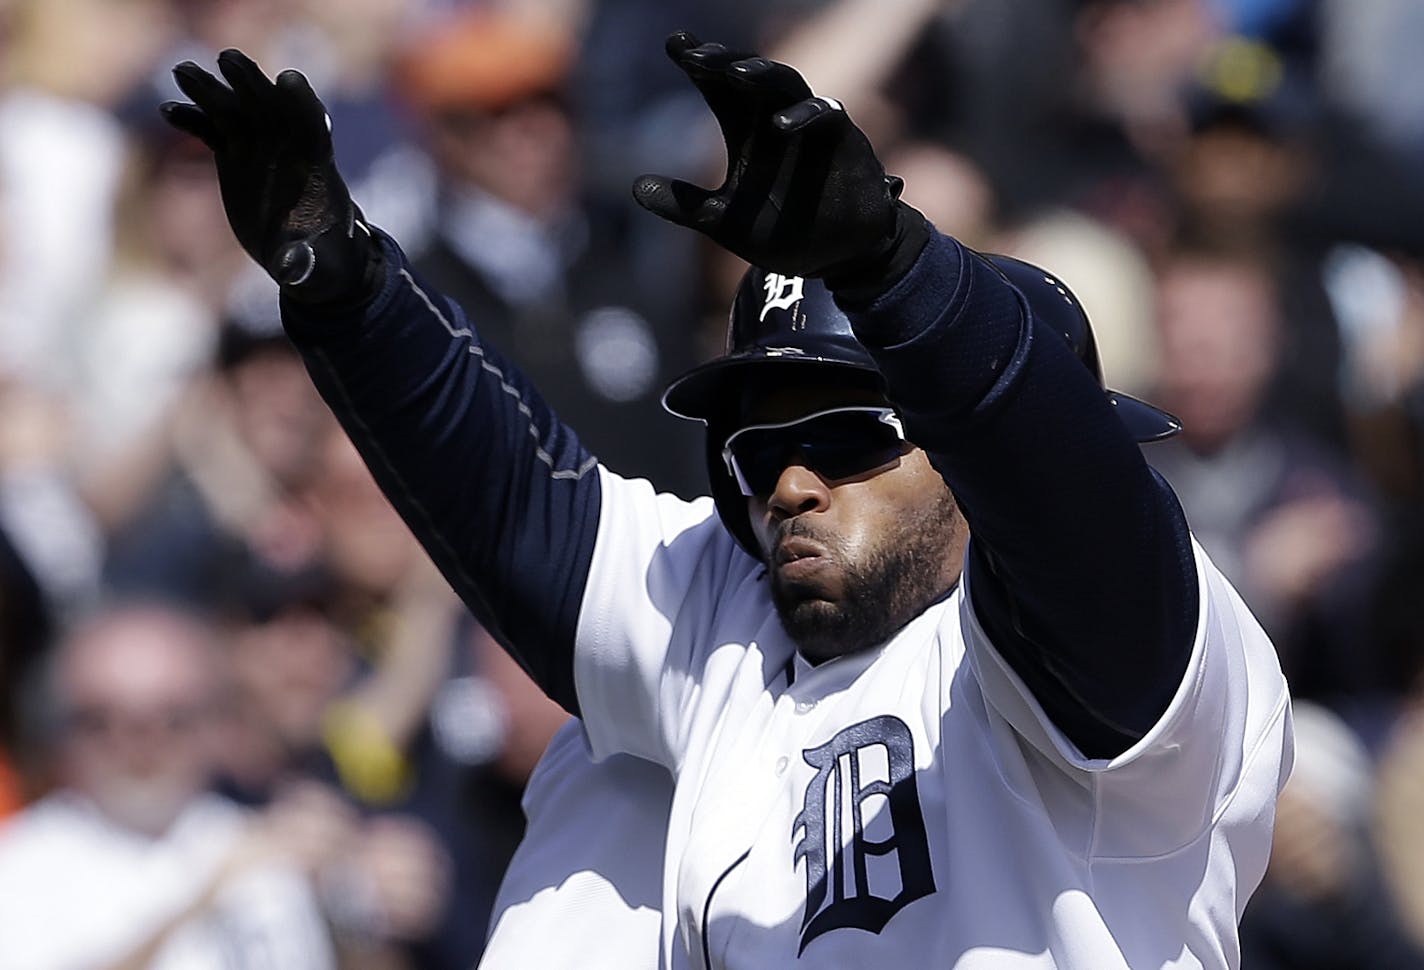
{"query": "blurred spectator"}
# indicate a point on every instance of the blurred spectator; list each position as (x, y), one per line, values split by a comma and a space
(1379, 301)
(1246, 160)
(1323, 904)
(129, 863)
(206, 27)
(1371, 67)
(443, 726)
(1249, 171)
(225, 483)
(1137, 56)
(154, 322)
(1401, 807)
(1286, 520)
(850, 46)
(304, 717)
(41, 506)
(61, 155)
(289, 662)
(359, 672)
(633, 107)
(345, 47)
(514, 243)
(1094, 131)
(1263, 18)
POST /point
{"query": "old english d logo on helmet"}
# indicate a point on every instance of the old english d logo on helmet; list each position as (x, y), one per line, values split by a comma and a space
(782, 293)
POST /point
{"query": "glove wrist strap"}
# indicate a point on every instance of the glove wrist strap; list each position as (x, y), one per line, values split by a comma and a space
(333, 270)
(859, 284)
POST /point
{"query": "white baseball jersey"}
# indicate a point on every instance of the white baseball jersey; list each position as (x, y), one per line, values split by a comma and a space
(911, 805)
(78, 892)
(584, 888)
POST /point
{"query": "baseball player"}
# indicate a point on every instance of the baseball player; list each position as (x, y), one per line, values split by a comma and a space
(1056, 744)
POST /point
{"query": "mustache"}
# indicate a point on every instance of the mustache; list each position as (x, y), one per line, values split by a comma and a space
(797, 527)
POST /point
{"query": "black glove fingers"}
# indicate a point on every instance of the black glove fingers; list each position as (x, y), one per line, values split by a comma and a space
(773, 83)
(804, 191)
(708, 66)
(255, 93)
(801, 116)
(296, 90)
(191, 119)
(307, 121)
(678, 43)
(207, 92)
(676, 201)
(710, 58)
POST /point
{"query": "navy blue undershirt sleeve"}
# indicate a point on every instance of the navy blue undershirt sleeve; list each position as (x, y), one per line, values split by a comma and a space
(1080, 559)
(500, 493)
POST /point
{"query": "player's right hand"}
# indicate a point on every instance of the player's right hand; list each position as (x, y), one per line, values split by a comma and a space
(284, 198)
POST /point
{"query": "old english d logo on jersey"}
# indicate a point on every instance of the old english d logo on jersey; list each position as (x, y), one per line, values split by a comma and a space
(874, 759)
(782, 293)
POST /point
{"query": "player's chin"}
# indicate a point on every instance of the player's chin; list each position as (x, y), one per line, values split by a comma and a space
(816, 623)
(794, 587)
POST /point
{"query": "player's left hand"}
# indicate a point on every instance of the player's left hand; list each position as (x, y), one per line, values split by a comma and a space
(804, 192)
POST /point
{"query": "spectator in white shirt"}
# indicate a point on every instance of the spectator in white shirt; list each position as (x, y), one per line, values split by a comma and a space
(131, 863)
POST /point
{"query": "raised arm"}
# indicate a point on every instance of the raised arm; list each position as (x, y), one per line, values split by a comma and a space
(501, 493)
(1080, 567)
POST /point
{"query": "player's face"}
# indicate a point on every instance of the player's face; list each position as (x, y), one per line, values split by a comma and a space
(855, 548)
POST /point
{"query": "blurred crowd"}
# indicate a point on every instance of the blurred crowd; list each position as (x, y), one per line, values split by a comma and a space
(243, 722)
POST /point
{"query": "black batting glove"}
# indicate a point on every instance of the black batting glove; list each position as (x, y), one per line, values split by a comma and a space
(804, 194)
(284, 198)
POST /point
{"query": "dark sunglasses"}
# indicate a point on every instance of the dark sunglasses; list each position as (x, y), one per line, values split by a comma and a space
(836, 443)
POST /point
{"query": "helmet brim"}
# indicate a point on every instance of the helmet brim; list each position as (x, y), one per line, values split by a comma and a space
(708, 391)
(1144, 422)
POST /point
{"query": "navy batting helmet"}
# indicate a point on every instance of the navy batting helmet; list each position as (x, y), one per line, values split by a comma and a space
(782, 328)
(1052, 302)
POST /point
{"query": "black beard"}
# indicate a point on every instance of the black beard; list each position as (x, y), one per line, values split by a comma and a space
(879, 596)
